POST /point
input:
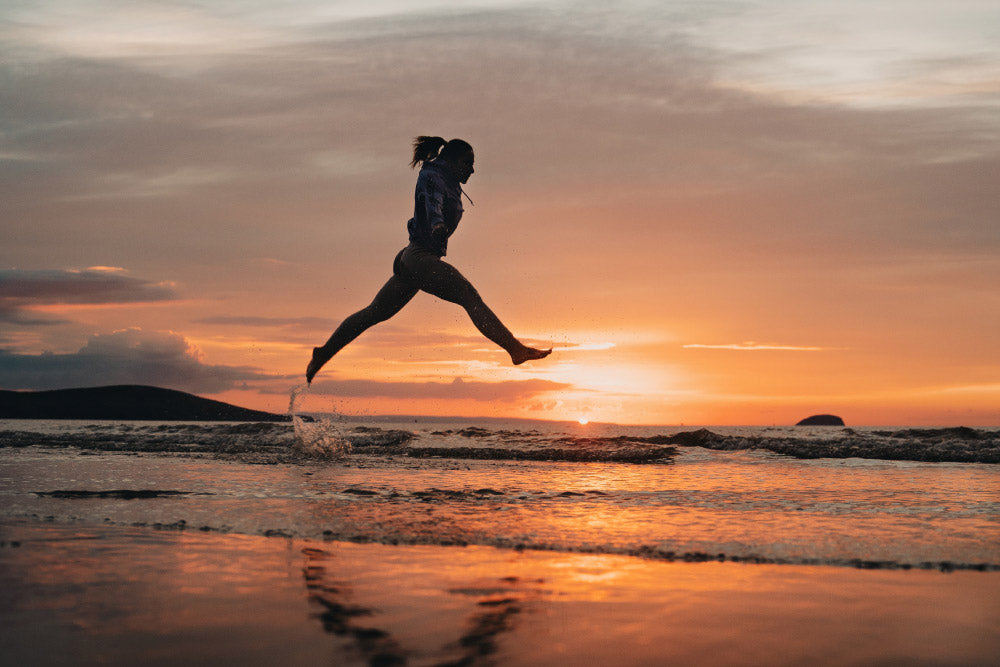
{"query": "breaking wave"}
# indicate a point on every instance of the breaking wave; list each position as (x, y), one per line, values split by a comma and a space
(960, 445)
(310, 437)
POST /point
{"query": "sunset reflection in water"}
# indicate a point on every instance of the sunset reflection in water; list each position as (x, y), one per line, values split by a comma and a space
(120, 596)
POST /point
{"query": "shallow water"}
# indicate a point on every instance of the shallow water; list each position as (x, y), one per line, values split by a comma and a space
(682, 502)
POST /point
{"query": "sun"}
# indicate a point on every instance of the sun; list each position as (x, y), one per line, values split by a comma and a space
(583, 421)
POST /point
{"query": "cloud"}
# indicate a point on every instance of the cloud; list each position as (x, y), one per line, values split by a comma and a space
(15, 316)
(129, 356)
(22, 289)
(107, 269)
(756, 347)
(505, 392)
(308, 123)
(630, 85)
(585, 346)
(281, 322)
(396, 337)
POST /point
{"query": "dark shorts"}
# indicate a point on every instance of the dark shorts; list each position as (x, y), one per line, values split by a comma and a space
(415, 263)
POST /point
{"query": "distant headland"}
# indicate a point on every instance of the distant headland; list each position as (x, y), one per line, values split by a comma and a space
(125, 402)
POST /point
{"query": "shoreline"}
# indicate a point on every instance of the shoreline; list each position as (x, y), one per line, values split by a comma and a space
(646, 553)
(121, 594)
(716, 507)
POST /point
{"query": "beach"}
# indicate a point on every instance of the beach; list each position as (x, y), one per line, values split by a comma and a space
(110, 595)
(228, 544)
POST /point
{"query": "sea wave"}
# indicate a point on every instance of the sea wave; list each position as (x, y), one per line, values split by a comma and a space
(279, 443)
(269, 442)
(960, 445)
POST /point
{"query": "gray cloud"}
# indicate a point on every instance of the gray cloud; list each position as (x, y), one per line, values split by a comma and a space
(22, 289)
(15, 316)
(505, 392)
(324, 103)
(124, 357)
(36, 287)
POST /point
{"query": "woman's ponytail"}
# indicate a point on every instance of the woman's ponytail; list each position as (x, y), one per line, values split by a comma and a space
(426, 148)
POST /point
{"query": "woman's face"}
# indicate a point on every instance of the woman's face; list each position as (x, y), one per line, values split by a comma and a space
(463, 167)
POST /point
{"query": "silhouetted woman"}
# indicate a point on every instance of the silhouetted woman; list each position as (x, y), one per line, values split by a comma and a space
(436, 213)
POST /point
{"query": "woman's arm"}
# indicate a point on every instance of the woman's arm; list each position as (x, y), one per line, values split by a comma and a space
(433, 196)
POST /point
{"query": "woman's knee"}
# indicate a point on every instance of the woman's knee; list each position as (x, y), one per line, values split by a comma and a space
(390, 300)
(375, 313)
(470, 298)
(455, 288)
(460, 292)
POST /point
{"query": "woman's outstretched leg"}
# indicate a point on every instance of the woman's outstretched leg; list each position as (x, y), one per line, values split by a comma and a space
(395, 294)
(446, 282)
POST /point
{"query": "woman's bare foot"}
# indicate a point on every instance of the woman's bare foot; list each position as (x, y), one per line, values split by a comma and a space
(316, 363)
(527, 354)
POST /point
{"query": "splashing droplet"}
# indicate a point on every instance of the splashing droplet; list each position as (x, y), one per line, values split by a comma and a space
(316, 437)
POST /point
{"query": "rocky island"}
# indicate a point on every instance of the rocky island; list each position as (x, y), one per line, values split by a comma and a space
(822, 420)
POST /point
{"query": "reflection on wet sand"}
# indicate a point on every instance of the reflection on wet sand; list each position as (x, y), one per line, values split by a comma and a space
(494, 612)
(340, 617)
(88, 594)
(484, 627)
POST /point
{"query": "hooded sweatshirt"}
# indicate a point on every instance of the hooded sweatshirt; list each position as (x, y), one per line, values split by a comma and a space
(437, 201)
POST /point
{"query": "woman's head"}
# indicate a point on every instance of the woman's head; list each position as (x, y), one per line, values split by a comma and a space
(457, 152)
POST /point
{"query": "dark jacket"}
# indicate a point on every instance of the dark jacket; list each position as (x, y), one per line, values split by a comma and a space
(437, 201)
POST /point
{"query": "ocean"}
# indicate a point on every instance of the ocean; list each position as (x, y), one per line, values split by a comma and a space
(889, 498)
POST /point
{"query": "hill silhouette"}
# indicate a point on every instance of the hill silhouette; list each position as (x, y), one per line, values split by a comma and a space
(126, 402)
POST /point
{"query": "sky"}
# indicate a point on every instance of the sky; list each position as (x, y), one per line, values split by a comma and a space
(733, 212)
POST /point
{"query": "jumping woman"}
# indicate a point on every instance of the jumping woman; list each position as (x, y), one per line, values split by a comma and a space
(445, 166)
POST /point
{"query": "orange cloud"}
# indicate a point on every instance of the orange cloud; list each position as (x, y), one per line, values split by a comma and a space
(457, 389)
(752, 346)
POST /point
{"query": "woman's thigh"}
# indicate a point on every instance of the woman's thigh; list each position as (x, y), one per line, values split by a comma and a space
(439, 278)
(395, 294)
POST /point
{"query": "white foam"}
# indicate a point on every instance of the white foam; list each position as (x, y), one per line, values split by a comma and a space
(319, 438)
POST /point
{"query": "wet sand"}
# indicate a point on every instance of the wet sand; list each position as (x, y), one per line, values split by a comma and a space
(102, 594)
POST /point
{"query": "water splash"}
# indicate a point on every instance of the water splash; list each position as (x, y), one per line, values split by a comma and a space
(319, 438)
